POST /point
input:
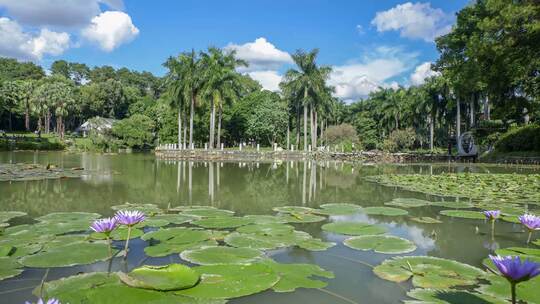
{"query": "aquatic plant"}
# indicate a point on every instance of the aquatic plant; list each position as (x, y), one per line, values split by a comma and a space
(50, 301)
(513, 269)
(532, 222)
(492, 216)
(105, 226)
(129, 219)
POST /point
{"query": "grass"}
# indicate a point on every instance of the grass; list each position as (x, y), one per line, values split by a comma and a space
(30, 141)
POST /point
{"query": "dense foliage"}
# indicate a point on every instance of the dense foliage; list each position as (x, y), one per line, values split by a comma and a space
(526, 138)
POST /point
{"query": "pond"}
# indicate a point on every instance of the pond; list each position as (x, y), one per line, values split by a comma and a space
(252, 189)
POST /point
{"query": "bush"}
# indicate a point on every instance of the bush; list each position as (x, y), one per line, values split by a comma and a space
(526, 138)
(400, 140)
(136, 131)
(341, 134)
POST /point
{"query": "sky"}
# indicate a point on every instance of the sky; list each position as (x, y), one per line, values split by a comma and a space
(369, 44)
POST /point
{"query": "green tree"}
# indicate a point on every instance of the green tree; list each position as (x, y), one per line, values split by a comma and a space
(136, 131)
(267, 123)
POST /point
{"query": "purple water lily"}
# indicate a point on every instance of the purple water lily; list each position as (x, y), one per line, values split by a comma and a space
(50, 301)
(129, 218)
(105, 225)
(492, 214)
(515, 270)
(532, 222)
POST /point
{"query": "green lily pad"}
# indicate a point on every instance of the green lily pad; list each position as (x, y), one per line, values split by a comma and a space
(152, 222)
(33, 172)
(6, 250)
(453, 204)
(315, 244)
(208, 212)
(338, 209)
(65, 217)
(381, 244)
(532, 254)
(64, 240)
(450, 296)
(408, 203)
(9, 267)
(222, 222)
(8, 215)
(177, 219)
(265, 219)
(148, 209)
(268, 229)
(388, 211)
(231, 281)
(426, 220)
(293, 209)
(163, 278)
(500, 288)
(24, 250)
(428, 272)
(79, 253)
(354, 228)
(177, 235)
(221, 255)
(302, 218)
(466, 214)
(165, 249)
(103, 288)
(258, 241)
(119, 234)
(293, 276)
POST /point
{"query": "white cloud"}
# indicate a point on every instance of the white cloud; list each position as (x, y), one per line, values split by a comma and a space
(261, 55)
(357, 79)
(14, 42)
(415, 21)
(421, 73)
(268, 79)
(65, 13)
(111, 29)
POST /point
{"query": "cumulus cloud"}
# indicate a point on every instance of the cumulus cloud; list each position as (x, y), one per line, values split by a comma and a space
(15, 42)
(421, 73)
(261, 55)
(357, 79)
(110, 29)
(268, 79)
(64, 13)
(415, 21)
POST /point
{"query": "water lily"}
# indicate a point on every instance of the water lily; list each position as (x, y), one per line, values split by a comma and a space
(515, 270)
(492, 216)
(105, 226)
(50, 301)
(532, 222)
(129, 218)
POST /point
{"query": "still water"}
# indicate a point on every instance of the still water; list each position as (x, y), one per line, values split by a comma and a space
(255, 188)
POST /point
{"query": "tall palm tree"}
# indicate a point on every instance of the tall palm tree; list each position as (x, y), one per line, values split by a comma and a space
(221, 83)
(308, 83)
(185, 82)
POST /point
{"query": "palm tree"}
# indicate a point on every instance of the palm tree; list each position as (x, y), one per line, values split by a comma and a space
(221, 82)
(308, 84)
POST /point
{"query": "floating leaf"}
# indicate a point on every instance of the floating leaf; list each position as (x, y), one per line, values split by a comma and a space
(32, 172)
(381, 244)
(453, 204)
(8, 215)
(500, 288)
(293, 209)
(428, 272)
(222, 222)
(269, 229)
(258, 241)
(9, 267)
(231, 281)
(65, 217)
(177, 235)
(79, 253)
(354, 228)
(165, 249)
(208, 212)
(293, 276)
(475, 215)
(221, 255)
(148, 209)
(119, 234)
(6, 250)
(265, 219)
(315, 244)
(338, 209)
(177, 219)
(302, 218)
(532, 254)
(388, 211)
(164, 278)
(152, 222)
(426, 220)
(450, 296)
(408, 203)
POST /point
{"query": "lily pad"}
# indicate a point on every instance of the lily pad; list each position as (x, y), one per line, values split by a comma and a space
(165, 248)
(426, 220)
(453, 204)
(302, 218)
(408, 203)
(177, 219)
(293, 276)
(381, 244)
(388, 211)
(466, 214)
(6, 250)
(338, 209)
(65, 217)
(450, 296)
(293, 209)
(177, 235)
(268, 229)
(119, 234)
(163, 278)
(258, 241)
(315, 244)
(9, 267)
(500, 288)
(208, 212)
(354, 228)
(31, 172)
(428, 272)
(222, 222)
(265, 219)
(79, 253)
(148, 209)
(8, 215)
(231, 281)
(221, 255)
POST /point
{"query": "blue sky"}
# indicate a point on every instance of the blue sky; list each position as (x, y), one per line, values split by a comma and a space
(369, 43)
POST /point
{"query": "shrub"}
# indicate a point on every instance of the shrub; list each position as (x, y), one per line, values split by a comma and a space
(136, 131)
(341, 134)
(526, 138)
(400, 140)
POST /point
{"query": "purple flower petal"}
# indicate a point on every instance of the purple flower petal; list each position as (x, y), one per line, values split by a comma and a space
(129, 218)
(532, 222)
(514, 269)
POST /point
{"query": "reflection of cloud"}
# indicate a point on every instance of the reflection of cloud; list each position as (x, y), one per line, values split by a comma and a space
(419, 239)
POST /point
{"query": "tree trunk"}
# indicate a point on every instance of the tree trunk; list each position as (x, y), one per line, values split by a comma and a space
(487, 115)
(288, 135)
(305, 120)
(297, 127)
(471, 109)
(311, 128)
(431, 119)
(458, 121)
(219, 128)
(212, 125)
(179, 126)
(27, 118)
(10, 123)
(397, 121)
(185, 132)
(191, 113)
(315, 125)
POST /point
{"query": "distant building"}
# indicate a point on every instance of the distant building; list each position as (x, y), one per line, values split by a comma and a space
(96, 124)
